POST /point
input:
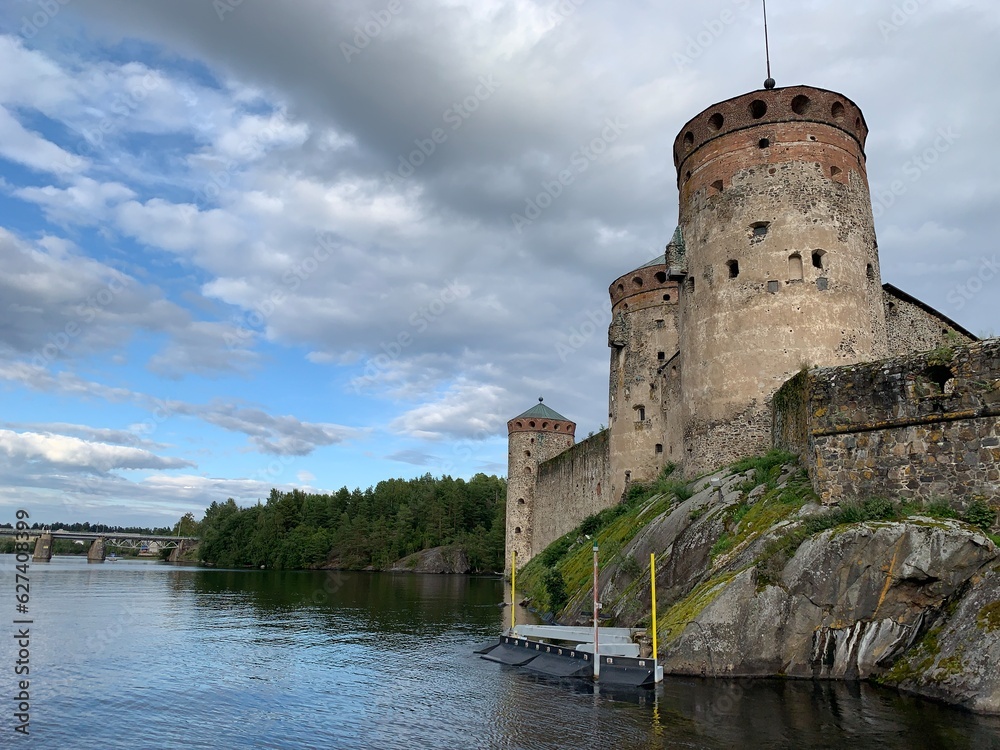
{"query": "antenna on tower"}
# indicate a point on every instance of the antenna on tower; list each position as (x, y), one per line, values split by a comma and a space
(769, 83)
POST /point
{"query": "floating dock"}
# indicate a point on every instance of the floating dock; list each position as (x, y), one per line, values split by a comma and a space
(620, 663)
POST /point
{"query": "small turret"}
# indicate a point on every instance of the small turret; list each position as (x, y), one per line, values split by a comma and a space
(535, 436)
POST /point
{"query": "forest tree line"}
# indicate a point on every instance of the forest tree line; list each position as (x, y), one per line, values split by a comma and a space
(358, 529)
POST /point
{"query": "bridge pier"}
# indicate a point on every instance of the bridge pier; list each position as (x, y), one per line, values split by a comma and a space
(96, 552)
(43, 548)
(177, 551)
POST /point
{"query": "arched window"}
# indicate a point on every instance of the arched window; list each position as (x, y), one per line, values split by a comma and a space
(795, 267)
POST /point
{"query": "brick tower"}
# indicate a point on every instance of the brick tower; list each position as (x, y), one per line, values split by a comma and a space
(532, 437)
(781, 256)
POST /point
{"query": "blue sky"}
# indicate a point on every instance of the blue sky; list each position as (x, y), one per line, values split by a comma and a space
(275, 243)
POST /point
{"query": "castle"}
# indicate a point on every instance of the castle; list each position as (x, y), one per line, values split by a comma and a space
(772, 271)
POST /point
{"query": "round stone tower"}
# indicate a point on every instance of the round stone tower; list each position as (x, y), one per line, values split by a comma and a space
(782, 260)
(535, 436)
(644, 341)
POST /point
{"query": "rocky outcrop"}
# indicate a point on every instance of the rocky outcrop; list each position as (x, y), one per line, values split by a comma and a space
(956, 661)
(449, 559)
(748, 586)
(846, 605)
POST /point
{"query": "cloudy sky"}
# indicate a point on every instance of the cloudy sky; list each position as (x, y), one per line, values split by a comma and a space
(256, 243)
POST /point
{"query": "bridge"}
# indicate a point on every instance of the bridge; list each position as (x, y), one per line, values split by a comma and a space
(45, 538)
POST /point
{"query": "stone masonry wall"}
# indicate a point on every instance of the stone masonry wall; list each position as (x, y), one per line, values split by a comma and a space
(913, 327)
(924, 426)
(570, 487)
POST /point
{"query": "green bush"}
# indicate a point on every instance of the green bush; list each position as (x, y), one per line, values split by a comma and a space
(722, 545)
(557, 550)
(872, 509)
(980, 514)
(939, 508)
(555, 587)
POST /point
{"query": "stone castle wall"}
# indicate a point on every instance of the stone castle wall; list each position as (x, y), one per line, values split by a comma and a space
(923, 426)
(574, 485)
(915, 327)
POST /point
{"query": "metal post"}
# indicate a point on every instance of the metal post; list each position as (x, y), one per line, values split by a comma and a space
(652, 590)
(597, 610)
(513, 602)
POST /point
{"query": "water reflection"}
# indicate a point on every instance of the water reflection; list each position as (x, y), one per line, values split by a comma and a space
(215, 658)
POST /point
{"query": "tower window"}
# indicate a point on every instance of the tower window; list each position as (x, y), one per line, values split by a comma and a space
(837, 110)
(717, 187)
(764, 143)
(795, 267)
(801, 104)
(520, 501)
(666, 297)
(661, 277)
(661, 356)
(734, 268)
(834, 171)
(759, 229)
(637, 281)
(691, 285)
(517, 529)
(527, 469)
(688, 138)
(527, 454)
(621, 287)
(640, 414)
(531, 424)
(772, 287)
(715, 121)
(758, 109)
(817, 259)
(659, 448)
(660, 323)
(870, 271)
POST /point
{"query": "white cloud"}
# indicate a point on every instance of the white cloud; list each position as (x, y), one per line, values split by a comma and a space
(465, 410)
(71, 453)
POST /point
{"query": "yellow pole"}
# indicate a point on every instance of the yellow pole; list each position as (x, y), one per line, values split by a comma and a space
(652, 589)
(513, 576)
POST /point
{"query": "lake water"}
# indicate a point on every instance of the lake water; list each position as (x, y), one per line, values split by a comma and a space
(146, 655)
